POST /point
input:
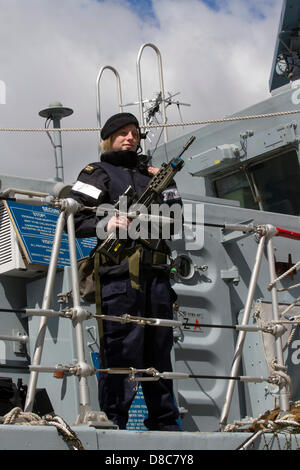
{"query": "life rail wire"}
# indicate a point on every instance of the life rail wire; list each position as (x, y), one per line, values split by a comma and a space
(150, 374)
(152, 321)
(157, 125)
(153, 374)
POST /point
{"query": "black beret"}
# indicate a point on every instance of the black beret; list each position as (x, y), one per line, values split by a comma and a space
(116, 122)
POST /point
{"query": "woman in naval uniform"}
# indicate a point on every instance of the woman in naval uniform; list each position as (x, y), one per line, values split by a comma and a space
(129, 345)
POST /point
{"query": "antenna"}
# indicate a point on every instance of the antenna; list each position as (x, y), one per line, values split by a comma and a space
(55, 112)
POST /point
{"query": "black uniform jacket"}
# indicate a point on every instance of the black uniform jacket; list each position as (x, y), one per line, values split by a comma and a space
(105, 181)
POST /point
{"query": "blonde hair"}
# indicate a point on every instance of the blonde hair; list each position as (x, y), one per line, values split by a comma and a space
(106, 144)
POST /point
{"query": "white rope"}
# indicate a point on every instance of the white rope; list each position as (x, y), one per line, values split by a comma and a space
(293, 304)
(286, 273)
(282, 289)
(269, 424)
(150, 126)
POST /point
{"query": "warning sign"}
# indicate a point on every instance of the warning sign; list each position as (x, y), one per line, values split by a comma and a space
(191, 321)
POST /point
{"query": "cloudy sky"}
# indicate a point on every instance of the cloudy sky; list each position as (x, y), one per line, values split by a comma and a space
(216, 53)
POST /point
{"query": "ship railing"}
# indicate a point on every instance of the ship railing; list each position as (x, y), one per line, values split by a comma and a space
(79, 314)
(68, 207)
(266, 234)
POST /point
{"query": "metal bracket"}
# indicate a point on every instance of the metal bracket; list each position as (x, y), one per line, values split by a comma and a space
(19, 345)
(96, 419)
(235, 235)
(231, 274)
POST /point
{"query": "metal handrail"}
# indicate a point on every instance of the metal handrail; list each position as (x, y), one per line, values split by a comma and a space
(68, 208)
(266, 240)
(65, 217)
(98, 93)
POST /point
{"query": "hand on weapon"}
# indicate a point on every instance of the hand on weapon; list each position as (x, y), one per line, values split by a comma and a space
(152, 170)
(119, 223)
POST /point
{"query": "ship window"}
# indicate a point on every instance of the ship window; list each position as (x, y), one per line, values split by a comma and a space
(277, 180)
(236, 187)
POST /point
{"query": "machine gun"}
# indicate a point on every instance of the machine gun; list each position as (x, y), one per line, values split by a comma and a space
(113, 247)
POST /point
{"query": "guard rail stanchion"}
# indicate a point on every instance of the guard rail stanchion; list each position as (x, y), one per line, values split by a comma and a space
(82, 370)
(267, 232)
(283, 394)
(84, 395)
(242, 334)
(45, 306)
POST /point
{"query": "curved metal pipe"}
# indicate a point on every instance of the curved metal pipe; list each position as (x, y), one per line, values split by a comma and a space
(140, 93)
(98, 93)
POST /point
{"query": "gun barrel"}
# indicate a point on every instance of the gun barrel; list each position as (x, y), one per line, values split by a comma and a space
(187, 145)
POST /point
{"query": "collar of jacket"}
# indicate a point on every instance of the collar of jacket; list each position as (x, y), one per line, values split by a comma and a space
(125, 158)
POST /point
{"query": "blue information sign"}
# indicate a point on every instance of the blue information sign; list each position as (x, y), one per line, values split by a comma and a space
(35, 227)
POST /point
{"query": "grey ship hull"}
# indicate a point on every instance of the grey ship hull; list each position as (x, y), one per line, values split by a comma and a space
(185, 444)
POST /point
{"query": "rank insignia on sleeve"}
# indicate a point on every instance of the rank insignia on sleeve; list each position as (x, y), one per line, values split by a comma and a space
(89, 169)
(171, 194)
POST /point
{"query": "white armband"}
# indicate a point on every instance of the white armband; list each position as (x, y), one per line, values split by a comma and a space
(87, 189)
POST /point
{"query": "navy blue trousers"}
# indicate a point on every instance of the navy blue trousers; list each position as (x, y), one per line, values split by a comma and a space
(131, 345)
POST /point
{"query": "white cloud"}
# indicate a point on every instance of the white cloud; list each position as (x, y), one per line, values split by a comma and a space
(52, 50)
